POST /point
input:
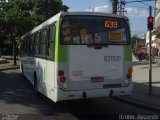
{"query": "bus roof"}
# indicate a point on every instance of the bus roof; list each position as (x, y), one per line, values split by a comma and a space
(57, 16)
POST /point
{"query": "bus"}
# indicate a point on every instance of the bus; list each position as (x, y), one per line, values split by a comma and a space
(79, 55)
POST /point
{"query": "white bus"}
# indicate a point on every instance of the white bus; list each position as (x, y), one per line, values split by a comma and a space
(77, 55)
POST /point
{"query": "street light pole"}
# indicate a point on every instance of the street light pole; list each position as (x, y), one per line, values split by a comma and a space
(150, 56)
(114, 6)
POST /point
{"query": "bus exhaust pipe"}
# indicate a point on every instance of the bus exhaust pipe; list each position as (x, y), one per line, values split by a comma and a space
(111, 93)
(84, 95)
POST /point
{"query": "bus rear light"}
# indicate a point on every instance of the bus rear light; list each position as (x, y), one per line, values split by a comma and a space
(62, 79)
(60, 73)
(130, 70)
(129, 76)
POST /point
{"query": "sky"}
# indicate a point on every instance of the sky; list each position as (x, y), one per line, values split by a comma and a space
(136, 12)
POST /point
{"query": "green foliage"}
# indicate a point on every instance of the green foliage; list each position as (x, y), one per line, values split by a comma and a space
(45, 9)
(64, 8)
(19, 16)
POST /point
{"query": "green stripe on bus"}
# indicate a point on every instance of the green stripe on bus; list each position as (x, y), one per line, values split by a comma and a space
(60, 50)
(128, 53)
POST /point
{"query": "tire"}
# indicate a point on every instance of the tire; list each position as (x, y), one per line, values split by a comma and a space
(22, 71)
(35, 85)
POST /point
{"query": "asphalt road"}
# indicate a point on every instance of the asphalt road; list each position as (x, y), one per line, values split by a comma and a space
(17, 100)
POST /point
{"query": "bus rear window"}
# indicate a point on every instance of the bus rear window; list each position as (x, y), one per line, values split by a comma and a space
(94, 30)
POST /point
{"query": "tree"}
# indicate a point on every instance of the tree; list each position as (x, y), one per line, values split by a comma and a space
(45, 9)
(64, 8)
(20, 16)
(17, 14)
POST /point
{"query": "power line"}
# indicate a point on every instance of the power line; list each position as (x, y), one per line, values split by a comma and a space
(121, 4)
(139, 1)
(145, 4)
(142, 2)
(138, 6)
(148, 5)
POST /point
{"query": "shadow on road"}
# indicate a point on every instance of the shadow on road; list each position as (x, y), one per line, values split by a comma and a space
(141, 95)
(16, 90)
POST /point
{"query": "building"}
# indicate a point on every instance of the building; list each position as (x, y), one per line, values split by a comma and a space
(157, 22)
(154, 40)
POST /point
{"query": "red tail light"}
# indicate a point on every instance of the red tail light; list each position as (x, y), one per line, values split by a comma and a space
(130, 70)
(62, 79)
(129, 73)
(129, 76)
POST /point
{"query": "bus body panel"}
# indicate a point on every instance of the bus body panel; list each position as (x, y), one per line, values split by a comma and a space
(86, 62)
(45, 71)
(92, 93)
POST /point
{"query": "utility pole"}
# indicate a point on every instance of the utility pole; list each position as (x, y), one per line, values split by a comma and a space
(150, 28)
(14, 52)
(121, 7)
(114, 6)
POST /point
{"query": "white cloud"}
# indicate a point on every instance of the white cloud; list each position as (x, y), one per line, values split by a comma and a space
(103, 8)
(136, 12)
(130, 11)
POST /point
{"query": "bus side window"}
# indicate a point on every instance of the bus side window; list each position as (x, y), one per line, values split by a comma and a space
(37, 43)
(32, 45)
(51, 43)
(28, 44)
(43, 47)
(25, 45)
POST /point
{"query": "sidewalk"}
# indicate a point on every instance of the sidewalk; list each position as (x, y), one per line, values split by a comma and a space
(2, 60)
(158, 60)
(7, 64)
(140, 96)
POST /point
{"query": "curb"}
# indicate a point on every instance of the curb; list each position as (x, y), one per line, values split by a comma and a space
(3, 61)
(138, 104)
(158, 60)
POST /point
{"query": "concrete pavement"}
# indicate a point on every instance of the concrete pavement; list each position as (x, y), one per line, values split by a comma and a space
(140, 96)
(2, 60)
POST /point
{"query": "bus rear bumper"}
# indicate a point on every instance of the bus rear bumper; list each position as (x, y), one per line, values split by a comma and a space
(93, 93)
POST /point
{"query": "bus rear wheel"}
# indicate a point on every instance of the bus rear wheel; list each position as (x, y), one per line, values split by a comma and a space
(35, 85)
(22, 71)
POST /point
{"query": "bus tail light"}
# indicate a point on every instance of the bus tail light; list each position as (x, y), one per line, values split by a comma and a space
(130, 70)
(62, 79)
(129, 74)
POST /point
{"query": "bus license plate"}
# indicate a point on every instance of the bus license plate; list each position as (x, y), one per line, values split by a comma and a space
(97, 79)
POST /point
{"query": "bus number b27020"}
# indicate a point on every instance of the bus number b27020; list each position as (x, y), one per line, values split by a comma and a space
(112, 58)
